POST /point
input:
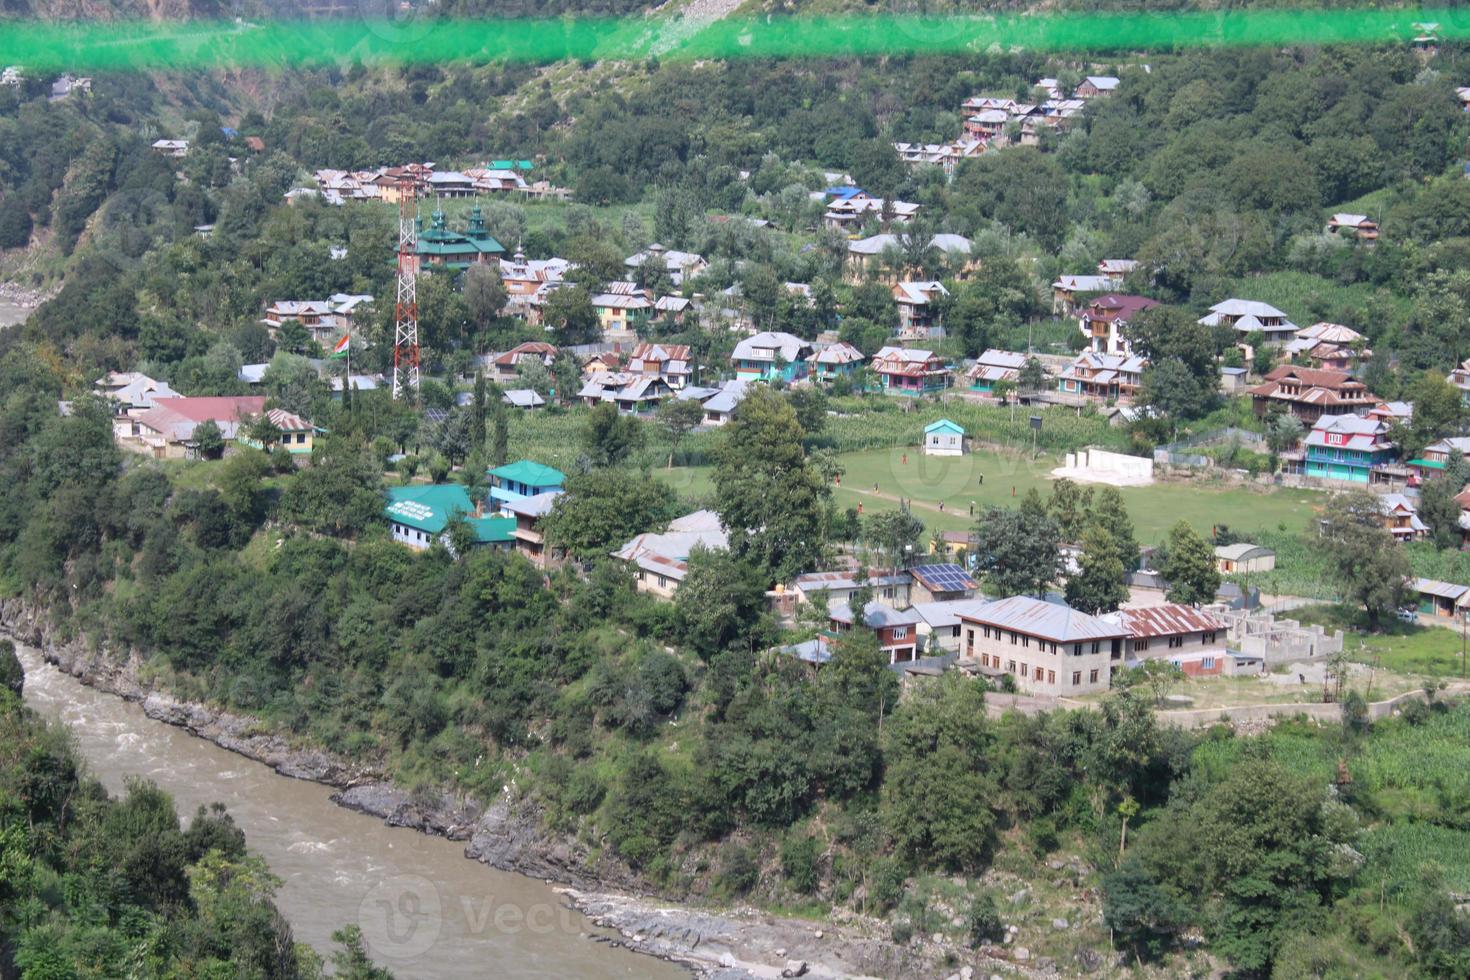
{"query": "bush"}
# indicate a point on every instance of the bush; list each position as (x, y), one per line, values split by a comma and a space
(799, 857)
(584, 792)
(739, 871)
(984, 921)
(12, 674)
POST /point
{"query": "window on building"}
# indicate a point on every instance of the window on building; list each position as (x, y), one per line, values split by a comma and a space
(1141, 643)
(1011, 666)
(1013, 639)
(1207, 638)
(900, 632)
(1176, 641)
(1207, 663)
(1076, 649)
(663, 582)
(956, 631)
(1096, 646)
(1092, 677)
(1051, 677)
(1076, 677)
(1024, 669)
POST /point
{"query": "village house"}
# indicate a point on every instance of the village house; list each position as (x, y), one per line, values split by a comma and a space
(952, 545)
(832, 588)
(419, 515)
(1331, 346)
(719, 404)
(1243, 558)
(944, 438)
(942, 582)
(1401, 517)
(895, 629)
(166, 431)
(1357, 226)
(1117, 268)
(993, 367)
(681, 266)
(325, 320)
(916, 301)
(524, 278)
(633, 394)
(1094, 85)
(1047, 648)
(171, 148)
(939, 628)
(1391, 412)
(1103, 377)
(526, 399)
(1436, 456)
(836, 360)
(296, 435)
(771, 355)
(507, 366)
(988, 125)
(866, 257)
(440, 247)
(1310, 393)
(620, 313)
(1173, 632)
(1067, 290)
(910, 371)
(132, 394)
(1441, 600)
(661, 560)
(1348, 448)
(1246, 317)
(524, 478)
(450, 183)
(946, 156)
(528, 512)
(844, 213)
(669, 362)
(1104, 321)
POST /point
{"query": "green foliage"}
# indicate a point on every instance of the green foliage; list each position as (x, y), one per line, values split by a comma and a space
(1189, 567)
(1366, 562)
(609, 437)
(940, 794)
(602, 509)
(12, 674)
(770, 499)
(1018, 549)
(87, 875)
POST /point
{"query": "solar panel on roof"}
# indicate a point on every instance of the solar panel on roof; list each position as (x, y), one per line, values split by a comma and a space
(945, 578)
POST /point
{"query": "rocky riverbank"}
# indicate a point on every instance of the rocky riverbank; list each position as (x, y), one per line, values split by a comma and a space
(508, 835)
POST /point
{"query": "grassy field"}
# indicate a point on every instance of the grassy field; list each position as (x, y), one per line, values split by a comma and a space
(956, 481)
(1401, 647)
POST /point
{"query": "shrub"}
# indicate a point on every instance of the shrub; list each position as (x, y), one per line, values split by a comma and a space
(799, 857)
(984, 920)
(738, 870)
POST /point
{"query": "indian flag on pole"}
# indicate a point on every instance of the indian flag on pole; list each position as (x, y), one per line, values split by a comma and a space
(341, 349)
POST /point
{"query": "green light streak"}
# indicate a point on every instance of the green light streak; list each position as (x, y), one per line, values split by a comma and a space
(217, 44)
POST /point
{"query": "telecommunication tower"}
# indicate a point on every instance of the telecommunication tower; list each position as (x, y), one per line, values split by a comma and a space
(406, 311)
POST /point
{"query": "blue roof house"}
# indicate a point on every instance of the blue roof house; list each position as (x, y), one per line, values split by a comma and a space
(944, 438)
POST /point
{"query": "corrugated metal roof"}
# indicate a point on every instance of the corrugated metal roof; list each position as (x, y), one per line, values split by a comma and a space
(1169, 619)
(1048, 620)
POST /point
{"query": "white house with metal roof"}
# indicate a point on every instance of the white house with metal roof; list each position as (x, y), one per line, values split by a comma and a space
(1246, 316)
(661, 560)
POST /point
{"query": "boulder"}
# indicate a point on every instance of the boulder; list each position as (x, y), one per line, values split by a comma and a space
(794, 968)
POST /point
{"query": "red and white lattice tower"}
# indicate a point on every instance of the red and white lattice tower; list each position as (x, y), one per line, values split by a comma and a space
(406, 311)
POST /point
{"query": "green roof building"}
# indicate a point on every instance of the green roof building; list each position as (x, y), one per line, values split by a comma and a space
(440, 246)
(524, 478)
(419, 515)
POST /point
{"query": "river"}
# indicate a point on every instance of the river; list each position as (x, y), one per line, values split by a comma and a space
(425, 910)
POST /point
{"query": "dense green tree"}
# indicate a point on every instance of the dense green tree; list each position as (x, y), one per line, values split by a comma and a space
(1367, 563)
(939, 793)
(610, 437)
(1189, 566)
(771, 501)
(1098, 586)
(1017, 550)
(569, 314)
(720, 600)
(679, 416)
(602, 509)
(1437, 505)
